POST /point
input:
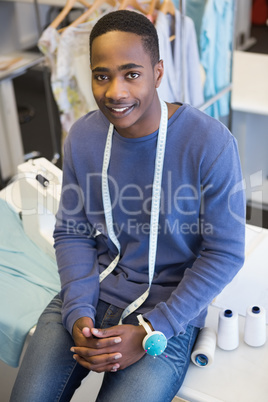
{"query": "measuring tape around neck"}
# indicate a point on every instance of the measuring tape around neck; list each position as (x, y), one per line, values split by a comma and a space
(155, 207)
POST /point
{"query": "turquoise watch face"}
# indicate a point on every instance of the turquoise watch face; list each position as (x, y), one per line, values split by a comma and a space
(155, 343)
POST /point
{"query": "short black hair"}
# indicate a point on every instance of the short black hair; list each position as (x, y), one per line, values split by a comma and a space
(129, 21)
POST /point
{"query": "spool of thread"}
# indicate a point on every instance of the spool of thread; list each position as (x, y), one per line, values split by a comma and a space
(228, 330)
(204, 348)
(255, 326)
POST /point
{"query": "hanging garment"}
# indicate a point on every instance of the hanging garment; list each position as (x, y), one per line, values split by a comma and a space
(216, 39)
(68, 57)
(181, 82)
(195, 10)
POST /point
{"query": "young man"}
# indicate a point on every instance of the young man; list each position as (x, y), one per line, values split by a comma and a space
(149, 230)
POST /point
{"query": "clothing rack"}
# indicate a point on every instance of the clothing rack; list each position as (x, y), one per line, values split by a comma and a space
(216, 97)
(182, 9)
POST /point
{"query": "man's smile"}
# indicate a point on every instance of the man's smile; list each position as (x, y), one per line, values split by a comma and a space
(120, 110)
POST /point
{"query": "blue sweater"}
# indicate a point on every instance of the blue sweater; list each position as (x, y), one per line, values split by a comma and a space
(201, 225)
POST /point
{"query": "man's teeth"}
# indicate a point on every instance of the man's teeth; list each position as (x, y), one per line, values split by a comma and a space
(122, 109)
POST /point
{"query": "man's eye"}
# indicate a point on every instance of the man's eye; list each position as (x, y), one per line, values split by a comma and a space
(101, 77)
(132, 76)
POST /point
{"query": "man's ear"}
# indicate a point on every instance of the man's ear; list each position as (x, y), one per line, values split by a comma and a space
(159, 72)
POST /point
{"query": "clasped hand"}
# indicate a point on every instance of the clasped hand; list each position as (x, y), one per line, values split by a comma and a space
(107, 349)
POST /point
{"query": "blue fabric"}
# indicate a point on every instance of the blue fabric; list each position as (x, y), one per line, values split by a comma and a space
(29, 280)
(195, 10)
(216, 39)
(201, 225)
(49, 372)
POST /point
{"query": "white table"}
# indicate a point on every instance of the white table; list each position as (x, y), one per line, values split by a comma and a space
(11, 147)
(234, 376)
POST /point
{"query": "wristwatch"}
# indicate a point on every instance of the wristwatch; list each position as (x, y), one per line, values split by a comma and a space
(155, 342)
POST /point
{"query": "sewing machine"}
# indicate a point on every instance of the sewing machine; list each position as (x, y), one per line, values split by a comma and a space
(39, 187)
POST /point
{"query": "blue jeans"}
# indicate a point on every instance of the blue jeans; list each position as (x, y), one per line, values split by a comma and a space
(49, 373)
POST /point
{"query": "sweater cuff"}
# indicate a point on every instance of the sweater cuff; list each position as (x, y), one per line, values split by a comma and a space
(74, 315)
(162, 320)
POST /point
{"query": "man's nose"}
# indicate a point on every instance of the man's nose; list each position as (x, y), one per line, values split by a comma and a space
(117, 89)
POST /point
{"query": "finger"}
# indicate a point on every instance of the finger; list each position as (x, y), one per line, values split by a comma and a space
(99, 343)
(100, 359)
(98, 346)
(99, 363)
(106, 342)
(88, 353)
(101, 369)
(106, 332)
(86, 332)
(112, 367)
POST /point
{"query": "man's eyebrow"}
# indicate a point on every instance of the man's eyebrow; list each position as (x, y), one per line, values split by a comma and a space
(120, 68)
(100, 70)
(129, 66)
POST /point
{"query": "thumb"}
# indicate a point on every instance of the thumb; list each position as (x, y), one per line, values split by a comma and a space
(86, 332)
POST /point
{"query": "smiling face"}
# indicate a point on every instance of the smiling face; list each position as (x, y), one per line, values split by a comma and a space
(124, 83)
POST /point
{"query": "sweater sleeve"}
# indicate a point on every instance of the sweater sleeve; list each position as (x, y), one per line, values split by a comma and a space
(75, 250)
(222, 249)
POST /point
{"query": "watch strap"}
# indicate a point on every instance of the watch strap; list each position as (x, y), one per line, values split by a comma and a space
(144, 324)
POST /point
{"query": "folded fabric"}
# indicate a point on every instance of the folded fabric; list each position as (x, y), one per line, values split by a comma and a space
(29, 280)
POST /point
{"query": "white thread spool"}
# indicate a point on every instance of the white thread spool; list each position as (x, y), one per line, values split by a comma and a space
(228, 330)
(255, 326)
(204, 348)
